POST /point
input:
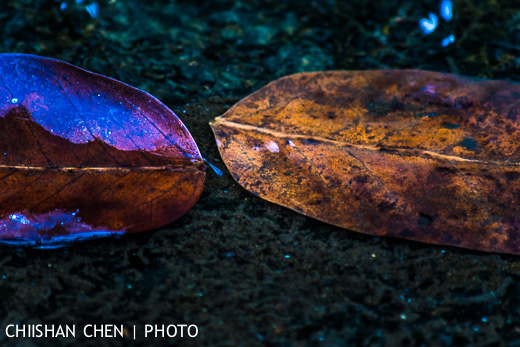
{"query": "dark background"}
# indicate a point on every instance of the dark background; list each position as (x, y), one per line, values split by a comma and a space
(246, 271)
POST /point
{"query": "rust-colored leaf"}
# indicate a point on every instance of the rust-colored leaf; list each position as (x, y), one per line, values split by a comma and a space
(83, 155)
(413, 154)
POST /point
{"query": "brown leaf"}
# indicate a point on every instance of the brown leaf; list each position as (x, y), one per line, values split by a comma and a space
(413, 154)
(83, 155)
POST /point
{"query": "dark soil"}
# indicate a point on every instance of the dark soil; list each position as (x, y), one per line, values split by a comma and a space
(248, 272)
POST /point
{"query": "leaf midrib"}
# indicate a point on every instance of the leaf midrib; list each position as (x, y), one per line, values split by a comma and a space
(191, 167)
(275, 133)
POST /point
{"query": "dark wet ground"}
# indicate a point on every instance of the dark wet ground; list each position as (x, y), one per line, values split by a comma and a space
(248, 272)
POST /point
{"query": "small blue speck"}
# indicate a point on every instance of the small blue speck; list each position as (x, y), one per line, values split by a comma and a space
(93, 9)
(447, 41)
(429, 25)
(447, 10)
(287, 256)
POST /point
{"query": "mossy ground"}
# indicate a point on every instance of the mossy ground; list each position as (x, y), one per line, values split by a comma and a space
(246, 271)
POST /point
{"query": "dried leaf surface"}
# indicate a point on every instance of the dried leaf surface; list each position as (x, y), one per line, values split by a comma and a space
(84, 154)
(413, 154)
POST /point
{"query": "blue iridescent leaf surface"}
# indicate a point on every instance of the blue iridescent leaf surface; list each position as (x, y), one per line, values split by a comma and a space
(84, 154)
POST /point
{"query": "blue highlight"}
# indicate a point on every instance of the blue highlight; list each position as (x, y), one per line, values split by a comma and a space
(48, 230)
(447, 10)
(447, 41)
(429, 25)
(215, 169)
(54, 242)
(19, 218)
(93, 9)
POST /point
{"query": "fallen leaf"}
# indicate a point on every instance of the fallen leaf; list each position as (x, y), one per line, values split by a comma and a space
(83, 155)
(419, 155)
